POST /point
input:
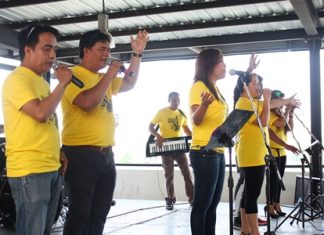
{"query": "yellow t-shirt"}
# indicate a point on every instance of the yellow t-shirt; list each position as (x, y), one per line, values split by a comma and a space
(96, 127)
(280, 132)
(170, 122)
(31, 146)
(251, 147)
(215, 116)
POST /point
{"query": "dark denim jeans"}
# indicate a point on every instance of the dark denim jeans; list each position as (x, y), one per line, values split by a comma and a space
(36, 197)
(90, 181)
(209, 171)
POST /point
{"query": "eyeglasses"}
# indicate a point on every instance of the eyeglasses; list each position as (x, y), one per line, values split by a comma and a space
(30, 32)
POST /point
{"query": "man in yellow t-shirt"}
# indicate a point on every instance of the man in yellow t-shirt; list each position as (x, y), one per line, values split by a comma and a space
(170, 120)
(88, 131)
(32, 136)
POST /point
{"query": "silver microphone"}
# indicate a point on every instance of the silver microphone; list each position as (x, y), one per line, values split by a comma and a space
(240, 73)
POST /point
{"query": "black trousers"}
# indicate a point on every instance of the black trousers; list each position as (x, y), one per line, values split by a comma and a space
(253, 183)
(90, 180)
(275, 189)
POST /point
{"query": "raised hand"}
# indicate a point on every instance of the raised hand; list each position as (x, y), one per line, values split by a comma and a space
(138, 44)
(253, 64)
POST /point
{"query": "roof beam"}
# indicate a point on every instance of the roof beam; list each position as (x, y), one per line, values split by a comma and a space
(145, 12)
(307, 14)
(19, 3)
(7, 67)
(283, 35)
(8, 38)
(212, 24)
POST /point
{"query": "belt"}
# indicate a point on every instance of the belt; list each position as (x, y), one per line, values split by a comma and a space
(100, 149)
(207, 151)
(210, 151)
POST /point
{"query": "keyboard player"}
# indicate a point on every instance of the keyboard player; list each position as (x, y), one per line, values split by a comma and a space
(171, 121)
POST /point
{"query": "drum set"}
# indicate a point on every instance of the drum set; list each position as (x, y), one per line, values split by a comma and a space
(7, 205)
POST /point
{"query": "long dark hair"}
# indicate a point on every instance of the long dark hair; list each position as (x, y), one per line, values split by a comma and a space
(205, 64)
(238, 90)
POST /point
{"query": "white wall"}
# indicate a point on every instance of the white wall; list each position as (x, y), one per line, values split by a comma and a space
(148, 183)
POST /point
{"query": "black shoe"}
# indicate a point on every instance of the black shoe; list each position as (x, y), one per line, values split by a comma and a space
(237, 223)
(169, 206)
(281, 213)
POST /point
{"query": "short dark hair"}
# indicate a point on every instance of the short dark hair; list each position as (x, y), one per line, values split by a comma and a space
(173, 93)
(90, 38)
(29, 36)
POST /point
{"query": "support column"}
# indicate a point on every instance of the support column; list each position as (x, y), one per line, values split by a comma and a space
(314, 46)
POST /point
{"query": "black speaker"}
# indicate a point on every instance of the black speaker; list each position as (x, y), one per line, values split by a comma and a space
(298, 187)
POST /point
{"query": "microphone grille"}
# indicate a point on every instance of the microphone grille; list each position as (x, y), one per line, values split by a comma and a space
(232, 72)
(55, 65)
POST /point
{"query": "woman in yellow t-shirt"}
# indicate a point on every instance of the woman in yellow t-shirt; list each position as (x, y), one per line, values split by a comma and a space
(208, 111)
(280, 123)
(251, 144)
(251, 149)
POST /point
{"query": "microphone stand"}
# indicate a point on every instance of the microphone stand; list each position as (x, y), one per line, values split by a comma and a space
(268, 158)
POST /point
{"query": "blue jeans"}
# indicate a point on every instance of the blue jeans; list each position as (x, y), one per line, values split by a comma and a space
(209, 172)
(36, 198)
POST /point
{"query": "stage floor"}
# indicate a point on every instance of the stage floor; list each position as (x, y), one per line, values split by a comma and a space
(143, 217)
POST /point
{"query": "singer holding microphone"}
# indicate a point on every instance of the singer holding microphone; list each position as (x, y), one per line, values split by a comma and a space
(88, 130)
(31, 129)
(251, 149)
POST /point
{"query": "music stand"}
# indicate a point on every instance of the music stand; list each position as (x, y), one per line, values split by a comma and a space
(222, 137)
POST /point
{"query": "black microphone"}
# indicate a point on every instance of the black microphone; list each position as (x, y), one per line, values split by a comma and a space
(77, 82)
(240, 73)
(74, 80)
